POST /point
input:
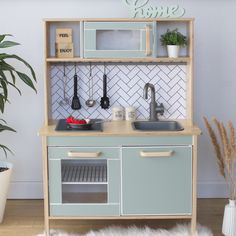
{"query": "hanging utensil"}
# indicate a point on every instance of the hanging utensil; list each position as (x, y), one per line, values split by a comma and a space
(65, 101)
(105, 103)
(90, 102)
(75, 100)
(92, 99)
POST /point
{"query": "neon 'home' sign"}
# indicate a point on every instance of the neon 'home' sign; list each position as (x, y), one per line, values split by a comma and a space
(141, 9)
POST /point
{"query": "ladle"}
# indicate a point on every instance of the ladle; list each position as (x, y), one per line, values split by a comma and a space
(65, 101)
(90, 102)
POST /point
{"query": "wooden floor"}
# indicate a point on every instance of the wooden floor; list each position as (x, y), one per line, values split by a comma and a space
(25, 218)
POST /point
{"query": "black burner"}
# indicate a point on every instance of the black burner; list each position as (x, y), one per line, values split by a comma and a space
(63, 126)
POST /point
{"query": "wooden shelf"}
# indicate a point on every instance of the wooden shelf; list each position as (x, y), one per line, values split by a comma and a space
(133, 60)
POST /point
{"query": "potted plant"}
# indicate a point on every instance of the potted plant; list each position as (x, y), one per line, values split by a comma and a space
(225, 151)
(9, 75)
(173, 39)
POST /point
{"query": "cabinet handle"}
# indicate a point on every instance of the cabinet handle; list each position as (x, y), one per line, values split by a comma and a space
(84, 154)
(148, 50)
(156, 154)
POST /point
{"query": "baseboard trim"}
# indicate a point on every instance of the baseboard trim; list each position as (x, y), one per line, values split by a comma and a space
(26, 190)
(34, 190)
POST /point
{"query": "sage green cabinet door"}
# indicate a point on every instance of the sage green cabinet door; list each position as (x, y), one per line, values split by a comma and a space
(78, 186)
(157, 180)
(118, 39)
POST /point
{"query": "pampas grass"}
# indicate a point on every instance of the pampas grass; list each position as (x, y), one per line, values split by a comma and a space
(225, 151)
(216, 145)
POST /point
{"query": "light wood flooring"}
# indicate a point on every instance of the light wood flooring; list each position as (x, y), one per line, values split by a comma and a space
(25, 218)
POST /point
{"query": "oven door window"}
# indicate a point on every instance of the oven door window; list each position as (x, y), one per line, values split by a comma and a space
(84, 181)
(118, 40)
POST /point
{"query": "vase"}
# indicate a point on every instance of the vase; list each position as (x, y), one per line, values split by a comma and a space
(4, 185)
(229, 220)
(173, 51)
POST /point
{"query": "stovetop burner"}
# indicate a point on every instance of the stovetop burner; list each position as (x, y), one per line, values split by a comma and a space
(63, 126)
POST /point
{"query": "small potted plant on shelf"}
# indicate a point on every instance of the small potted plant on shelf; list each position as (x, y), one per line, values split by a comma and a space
(225, 149)
(173, 39)
(9, 75)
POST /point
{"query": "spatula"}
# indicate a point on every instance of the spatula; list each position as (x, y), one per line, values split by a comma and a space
(75, 100)
(105, 103)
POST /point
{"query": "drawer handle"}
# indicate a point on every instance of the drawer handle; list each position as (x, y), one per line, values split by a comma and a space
(148, 50)
(156, 154)
(84, 154)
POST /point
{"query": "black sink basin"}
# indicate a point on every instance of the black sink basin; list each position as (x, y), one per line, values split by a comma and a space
(157, 125)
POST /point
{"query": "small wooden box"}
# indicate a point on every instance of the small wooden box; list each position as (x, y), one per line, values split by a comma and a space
(64, 35)
(64, 50)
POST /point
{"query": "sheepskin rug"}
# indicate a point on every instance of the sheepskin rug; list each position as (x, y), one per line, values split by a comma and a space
(179, 230)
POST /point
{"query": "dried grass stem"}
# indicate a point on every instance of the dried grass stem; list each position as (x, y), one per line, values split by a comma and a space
(225, 151)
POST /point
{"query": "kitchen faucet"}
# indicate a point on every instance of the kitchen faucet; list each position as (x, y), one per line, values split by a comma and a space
(154, 108)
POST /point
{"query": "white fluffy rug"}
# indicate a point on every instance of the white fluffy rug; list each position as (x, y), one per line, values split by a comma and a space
(179, 230)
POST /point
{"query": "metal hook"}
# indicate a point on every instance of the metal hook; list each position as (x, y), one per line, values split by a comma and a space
(90, 69)
(64, 69)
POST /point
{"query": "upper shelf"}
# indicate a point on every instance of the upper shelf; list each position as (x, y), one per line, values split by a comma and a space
(119, 19)
(137, 60)
(114, 40)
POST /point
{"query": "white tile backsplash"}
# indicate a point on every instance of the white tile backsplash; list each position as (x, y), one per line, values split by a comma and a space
(125, 88)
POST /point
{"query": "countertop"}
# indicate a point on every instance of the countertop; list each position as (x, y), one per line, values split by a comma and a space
(120, 128)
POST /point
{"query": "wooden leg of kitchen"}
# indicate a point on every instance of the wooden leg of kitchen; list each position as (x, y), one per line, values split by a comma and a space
(193, 226)
(194, 191)
(46, 226)
(45, 186)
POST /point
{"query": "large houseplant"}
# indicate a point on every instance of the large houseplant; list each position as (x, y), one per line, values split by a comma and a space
(173, 39)
(9, 75)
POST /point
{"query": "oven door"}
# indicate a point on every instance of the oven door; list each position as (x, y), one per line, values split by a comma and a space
(83, 182)
(118, 39)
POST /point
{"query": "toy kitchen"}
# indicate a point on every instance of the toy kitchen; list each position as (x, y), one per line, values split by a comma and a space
(118, 139)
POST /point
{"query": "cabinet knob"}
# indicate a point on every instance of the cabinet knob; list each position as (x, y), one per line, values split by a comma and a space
(156, 154)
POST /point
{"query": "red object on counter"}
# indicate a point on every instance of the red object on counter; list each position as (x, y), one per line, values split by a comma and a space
(72, 120)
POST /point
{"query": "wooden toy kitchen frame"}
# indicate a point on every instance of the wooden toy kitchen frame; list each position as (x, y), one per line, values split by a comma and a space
(139, 175)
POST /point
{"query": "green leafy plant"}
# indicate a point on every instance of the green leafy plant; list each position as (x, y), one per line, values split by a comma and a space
(9, 76)
(173, 37)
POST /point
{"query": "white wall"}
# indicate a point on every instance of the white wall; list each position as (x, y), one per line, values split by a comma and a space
(215, 80)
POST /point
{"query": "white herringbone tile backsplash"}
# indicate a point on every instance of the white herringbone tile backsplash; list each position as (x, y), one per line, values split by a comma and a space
(125, 88)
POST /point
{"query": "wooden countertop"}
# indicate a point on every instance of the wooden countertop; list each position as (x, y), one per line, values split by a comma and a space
(120, 128)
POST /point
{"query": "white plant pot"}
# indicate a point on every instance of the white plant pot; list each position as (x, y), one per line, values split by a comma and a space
(173, 51)
(229, 220)
(4, 185)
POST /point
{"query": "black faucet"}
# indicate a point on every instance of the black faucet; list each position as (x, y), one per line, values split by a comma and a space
(154, 108)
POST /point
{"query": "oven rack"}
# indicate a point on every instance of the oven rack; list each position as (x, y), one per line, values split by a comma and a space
(84, 173)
